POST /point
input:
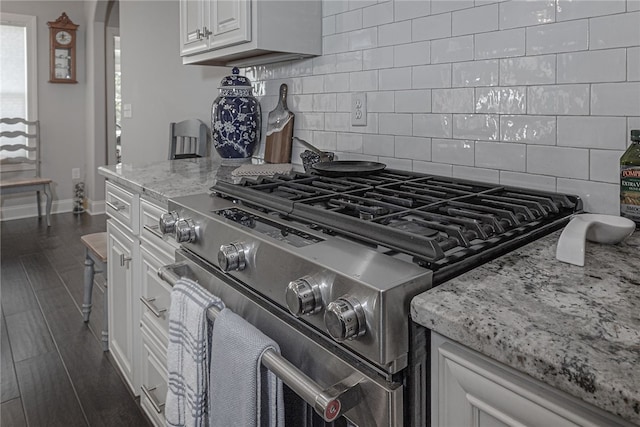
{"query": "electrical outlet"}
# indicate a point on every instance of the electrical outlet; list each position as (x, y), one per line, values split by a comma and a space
(359, 109)
(75, 173)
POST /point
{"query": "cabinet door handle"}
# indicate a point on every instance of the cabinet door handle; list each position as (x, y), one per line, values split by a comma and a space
(148, 302)
(206, 32)
(154, 401)
(115, 205)
(153, 229)
(124, 260)
(194, 35)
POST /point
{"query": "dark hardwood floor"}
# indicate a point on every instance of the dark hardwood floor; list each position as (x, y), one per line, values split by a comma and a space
(53, 371)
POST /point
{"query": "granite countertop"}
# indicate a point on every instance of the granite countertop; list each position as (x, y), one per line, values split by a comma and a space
(574, 328)
(171, 178)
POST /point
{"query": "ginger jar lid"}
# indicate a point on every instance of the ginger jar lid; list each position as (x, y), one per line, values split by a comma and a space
(235, 81)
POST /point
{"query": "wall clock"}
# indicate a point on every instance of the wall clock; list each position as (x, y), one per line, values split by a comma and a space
(62, 50)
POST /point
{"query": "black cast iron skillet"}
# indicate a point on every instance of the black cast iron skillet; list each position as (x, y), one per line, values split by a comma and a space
(347, 168)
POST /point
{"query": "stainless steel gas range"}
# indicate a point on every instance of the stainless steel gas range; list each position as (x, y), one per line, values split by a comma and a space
(327, 266)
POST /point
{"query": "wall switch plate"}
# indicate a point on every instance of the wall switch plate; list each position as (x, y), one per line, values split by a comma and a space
(359, 109)
(75, 173)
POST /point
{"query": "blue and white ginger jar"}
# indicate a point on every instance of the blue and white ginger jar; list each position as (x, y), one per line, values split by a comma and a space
(235, 118)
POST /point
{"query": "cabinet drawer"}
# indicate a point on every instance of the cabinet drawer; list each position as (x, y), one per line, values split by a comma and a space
(155, 297)
(153, 391)
(121, 205)
(149, 227)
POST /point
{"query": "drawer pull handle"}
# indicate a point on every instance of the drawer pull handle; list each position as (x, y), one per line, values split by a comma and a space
(148, 302)
(124, 260)
(153, 229)
(115, 205)
(154, 401)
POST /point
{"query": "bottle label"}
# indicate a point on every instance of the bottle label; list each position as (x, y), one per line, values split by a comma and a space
(630, 192)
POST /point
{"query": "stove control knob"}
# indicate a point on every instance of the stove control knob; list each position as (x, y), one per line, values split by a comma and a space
(185, 231)
(303, 296)
(345, 319)
(168, 222)
(232, 257)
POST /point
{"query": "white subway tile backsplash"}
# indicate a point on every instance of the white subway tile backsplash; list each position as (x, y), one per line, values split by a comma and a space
(452, 100)
(336, 82)
(393, 163)
(620, 30)
(362, 39)
(476, 174)
(349, 21)
(360, 4)
(413, 101)
(501, 100)
(559, 37)
(633, 63)
(633, 5)
(312, 84)
(349, 61)
(328, 25)
(567, 10)
(597, 197)
(334, 7)
(338, 122)
(475, 20)
(302, 103)
(343, 102)
(525, 13)
(604, 165)
(454, 49)
(349, 142)
(440, 6)
(501, 155)
(409, 9)
(606, 65)
(311, 121)
(476, 126)
(454, 151)
(558, 161)
(324, 64)
(324, 102)
(615, 99)
(528, 70)
(593, 132)
(431, 27)
(527, 180)
(381, 102)
(432, 125)
(500, 44)
(335, 43)
(405, 55)
(373, 59)
(632, 123)
(528, 129)
(431, 76)
(393, 34)
(378, 14)
(559, 99)
(439, 169)
(475, 73)
(325, 140)
(395, 124)
(379, 145)
(363, 81)
(394, 79)
(411, 147)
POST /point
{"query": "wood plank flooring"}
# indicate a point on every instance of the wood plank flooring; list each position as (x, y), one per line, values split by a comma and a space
(53, 370)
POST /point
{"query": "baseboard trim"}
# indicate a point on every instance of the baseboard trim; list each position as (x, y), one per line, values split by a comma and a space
(30, 210)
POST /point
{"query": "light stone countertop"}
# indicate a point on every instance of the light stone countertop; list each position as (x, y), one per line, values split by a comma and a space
(171, 178)
(574, 328)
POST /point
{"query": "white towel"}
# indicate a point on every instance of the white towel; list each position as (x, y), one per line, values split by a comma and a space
(188, 354)
(242, 392)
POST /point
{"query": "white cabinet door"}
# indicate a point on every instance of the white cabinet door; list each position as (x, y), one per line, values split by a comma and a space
(230, 22)
(193, 28)
(120, 291)
(471, 390)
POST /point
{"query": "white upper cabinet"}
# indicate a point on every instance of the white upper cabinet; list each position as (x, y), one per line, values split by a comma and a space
(249, 32)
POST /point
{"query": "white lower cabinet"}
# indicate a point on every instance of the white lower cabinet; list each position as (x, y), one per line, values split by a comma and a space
(469, 389)
(154, 378)
(122, 301)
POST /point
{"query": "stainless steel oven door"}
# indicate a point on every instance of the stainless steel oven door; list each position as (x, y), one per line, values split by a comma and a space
(312, 369)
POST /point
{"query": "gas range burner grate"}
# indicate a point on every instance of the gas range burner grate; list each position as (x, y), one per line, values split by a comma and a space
(435, 220)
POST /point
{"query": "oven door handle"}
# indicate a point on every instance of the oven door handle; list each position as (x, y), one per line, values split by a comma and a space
(330, 403)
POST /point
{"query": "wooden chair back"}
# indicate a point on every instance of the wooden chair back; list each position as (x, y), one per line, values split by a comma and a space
(188, 139)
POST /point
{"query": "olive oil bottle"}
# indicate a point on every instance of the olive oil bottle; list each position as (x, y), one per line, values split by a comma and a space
(630, 180)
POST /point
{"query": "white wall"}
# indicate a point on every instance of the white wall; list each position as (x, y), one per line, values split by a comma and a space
(156, 84)
(539, 94)
(61, 109)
